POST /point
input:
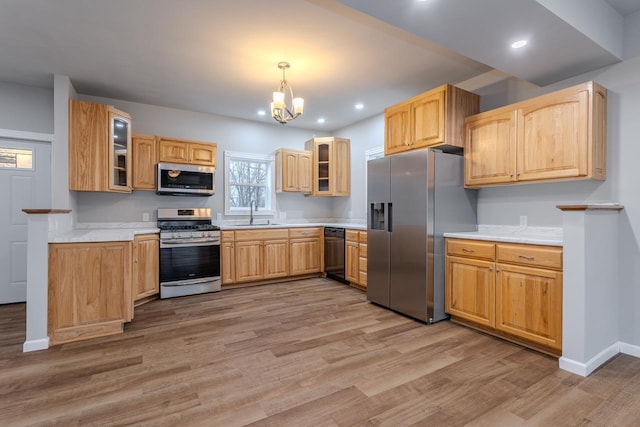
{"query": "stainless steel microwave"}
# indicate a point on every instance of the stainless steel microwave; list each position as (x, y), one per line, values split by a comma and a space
(175, 179)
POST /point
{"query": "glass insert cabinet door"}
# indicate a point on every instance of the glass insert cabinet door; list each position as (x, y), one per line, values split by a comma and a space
(119, 152)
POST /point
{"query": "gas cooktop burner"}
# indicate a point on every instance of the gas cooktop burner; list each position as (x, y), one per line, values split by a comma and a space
(198, 227)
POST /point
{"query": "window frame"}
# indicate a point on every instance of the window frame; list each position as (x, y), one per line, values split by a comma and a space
(270, 193)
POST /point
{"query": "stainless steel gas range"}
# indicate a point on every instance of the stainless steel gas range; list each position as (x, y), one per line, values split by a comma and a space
(189, 252)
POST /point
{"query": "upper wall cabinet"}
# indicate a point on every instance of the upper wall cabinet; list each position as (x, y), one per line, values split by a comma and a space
(433, 118)
(144, 150)
(184, 151)
(294, 169)
(99, 148)
(331, 166)
(558, 136)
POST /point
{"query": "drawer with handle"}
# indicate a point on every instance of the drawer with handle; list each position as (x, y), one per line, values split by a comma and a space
(471, 248)
(304, 232)
(533, 255)
(351, 236)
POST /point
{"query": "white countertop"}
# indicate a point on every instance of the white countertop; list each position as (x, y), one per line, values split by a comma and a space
(353, 226)
(551, 236)
(104, 232)
(114, 232)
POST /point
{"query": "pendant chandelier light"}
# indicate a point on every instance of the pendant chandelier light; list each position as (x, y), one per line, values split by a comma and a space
(279, 109)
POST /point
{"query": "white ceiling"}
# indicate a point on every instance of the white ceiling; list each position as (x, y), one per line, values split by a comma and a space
(221, 57)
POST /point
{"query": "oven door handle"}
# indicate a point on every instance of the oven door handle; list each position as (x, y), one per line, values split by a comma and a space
(189, 243)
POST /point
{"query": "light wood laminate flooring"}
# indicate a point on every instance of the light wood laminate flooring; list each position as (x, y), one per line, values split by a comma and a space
(306, 353)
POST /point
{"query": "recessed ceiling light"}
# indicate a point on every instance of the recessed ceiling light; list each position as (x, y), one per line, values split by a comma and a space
(320, 120)
(518, 44)
(359, 106)
(261, 112)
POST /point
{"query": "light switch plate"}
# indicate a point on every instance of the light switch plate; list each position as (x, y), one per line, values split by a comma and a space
(145, 216)
(282, 215)
(219, 216)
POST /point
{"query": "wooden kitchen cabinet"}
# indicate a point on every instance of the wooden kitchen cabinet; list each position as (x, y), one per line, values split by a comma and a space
(362, 260)
(331, 166)
(227, 257)
(173, 150)
(276, 258)
(144, 150)
(249, 261)
(558, 136)
(270, 253)
(510, 290)
(294, 170)
(529, 303)
(470, 290)
(430, 119)
(99, 148)
(146, 276)
(356, 257)
(261, 254)
(305, 250)
(351, 270)
(89, 290)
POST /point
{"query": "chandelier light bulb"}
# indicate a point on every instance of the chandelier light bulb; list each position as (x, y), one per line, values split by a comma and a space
(278, 99)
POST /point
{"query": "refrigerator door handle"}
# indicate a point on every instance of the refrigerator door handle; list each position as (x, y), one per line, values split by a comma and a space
(389, 217)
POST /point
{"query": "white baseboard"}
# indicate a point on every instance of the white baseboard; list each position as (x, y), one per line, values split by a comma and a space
(630, 349)
(35, 345)
(584, 369)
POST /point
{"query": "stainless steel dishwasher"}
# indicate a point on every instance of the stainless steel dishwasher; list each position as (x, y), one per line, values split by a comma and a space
(334, 253)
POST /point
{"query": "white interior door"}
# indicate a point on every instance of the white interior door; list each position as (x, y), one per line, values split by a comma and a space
(25, 180)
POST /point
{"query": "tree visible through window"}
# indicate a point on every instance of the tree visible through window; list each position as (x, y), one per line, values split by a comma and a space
(247, 182)
(248, 177)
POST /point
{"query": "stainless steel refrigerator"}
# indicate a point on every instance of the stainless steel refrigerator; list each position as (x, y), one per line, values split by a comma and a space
(413, 198)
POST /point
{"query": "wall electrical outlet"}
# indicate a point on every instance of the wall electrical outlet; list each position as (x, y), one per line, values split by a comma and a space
(219, 216)
(282, 215)
(523, 221)
(145, 216)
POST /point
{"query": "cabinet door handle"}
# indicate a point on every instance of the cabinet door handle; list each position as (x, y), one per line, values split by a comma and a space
(527, 257)
(490, 268)
(497, 270)
(469, 251)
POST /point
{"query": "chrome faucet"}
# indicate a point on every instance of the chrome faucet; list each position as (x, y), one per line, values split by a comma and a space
(251, 205)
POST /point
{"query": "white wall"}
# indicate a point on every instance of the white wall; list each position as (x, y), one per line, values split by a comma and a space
(61, 197)
(229, 133)
(26, 108)
(364, 135)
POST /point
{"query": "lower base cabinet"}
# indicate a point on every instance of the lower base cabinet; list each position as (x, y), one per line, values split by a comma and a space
(89, 290)
(305, 250)
(511, 290)
(227, 258)
(265, 254)
(356, 257)
(146, 269)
